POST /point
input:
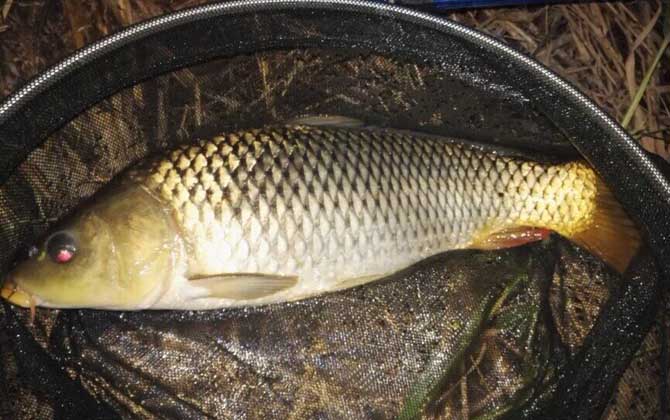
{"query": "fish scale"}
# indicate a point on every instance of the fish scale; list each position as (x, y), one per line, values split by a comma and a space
(335, 203)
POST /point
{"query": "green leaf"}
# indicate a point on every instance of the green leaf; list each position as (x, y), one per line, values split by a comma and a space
(647, 78)
(666, 18)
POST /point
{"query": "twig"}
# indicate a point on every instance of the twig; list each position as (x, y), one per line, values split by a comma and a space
(6, 8)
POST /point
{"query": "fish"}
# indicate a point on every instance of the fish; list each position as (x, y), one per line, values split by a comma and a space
(289, 211)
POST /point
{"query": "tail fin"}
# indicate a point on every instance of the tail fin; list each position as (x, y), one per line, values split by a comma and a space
(612, 236)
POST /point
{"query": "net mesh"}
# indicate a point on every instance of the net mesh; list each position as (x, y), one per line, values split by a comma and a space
(516, 333)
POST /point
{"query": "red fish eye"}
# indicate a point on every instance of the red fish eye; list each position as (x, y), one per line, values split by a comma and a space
(61, 247)
(64, 255)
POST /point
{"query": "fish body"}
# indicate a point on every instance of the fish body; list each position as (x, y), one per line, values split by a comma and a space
(287, 212)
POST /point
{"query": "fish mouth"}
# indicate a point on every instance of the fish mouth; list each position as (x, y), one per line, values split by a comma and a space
(12, 293)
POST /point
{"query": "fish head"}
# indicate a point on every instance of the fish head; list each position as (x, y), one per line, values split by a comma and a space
(118, 253)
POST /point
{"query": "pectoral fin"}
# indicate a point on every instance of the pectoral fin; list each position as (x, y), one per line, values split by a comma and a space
(242, 286)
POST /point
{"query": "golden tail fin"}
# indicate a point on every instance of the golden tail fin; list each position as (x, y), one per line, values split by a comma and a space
(612, 236)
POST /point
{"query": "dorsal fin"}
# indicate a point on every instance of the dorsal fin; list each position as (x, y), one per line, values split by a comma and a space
(335, 121)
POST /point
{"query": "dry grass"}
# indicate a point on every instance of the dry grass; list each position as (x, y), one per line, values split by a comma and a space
(602, 48)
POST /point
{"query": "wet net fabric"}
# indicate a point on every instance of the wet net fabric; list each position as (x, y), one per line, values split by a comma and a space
(444, 337)
(541, 331)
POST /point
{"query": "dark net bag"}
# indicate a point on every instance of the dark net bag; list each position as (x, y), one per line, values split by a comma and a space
(540, 331)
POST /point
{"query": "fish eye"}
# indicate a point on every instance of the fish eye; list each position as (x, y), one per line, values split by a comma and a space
(61, 247)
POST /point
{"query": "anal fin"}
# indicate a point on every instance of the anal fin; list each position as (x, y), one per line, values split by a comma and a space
(510, 237)
(242, 286)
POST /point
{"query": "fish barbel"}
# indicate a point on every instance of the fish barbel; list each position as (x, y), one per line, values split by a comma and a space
(286, 212)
